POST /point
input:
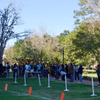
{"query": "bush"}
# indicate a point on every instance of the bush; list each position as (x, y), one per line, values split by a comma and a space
(89, 78)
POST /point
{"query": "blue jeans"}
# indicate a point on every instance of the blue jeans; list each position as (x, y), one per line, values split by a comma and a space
(80, 77)
(7, 73)
(76, 75)
(20, 73)
(71, 77)
(57, 75)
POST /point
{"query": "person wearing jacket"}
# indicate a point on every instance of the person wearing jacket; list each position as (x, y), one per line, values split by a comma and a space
(66, 69)
(98, 73)
(7, 69)
(80, 71)
(71, 72)
(1, 67)
(76, 73)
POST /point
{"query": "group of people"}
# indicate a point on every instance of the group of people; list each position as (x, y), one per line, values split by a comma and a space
(73, 72)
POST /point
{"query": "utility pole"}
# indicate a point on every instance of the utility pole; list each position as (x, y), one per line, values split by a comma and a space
(41, 56)
(63, 55)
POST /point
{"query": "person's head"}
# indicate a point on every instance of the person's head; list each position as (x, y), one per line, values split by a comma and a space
(7, 62)
(62, 65)
(80, 64)
(71, 64)
(19, 64)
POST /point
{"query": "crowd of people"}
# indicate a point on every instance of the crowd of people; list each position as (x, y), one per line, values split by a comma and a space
(73, 72)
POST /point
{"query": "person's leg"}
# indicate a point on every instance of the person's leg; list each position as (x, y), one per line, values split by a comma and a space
(71, 77)
(99, 79)
(57, 76)
(80, 77)
(75, 76)
(13, 73)
(7, 73)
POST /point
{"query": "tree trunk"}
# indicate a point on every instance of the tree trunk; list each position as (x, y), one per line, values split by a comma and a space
(1, 53)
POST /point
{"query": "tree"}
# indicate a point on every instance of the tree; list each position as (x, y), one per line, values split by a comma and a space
(9, 18)
(23, 51)
(9, 55)
(87, 43)
(90, 13)
(44, 45)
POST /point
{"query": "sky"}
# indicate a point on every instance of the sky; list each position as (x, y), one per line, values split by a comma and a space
(55, 15)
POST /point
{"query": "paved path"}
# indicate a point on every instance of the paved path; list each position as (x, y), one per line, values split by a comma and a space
(87, 82)
(83, 82)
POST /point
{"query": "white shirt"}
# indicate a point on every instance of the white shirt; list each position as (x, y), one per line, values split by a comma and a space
(26, 67)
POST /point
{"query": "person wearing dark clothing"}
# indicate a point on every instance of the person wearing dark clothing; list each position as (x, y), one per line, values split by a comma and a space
(63, 76)
(35, 67)
(15, 70)
(1, 67)
(42, 70)
(23, 69)
(98, 73)
(66, 69)
(76, 72)
(20, 70)
(57, 71)
(7, 69)
(80, 71)
(71, 72)
(53, 70)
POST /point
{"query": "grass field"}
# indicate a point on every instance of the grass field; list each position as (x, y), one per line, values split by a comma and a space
(19, 92)
(89, 73)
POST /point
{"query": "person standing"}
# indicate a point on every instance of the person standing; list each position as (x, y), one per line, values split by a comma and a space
(76, 73)
(35, 67)
(14, 70)
(29, 67)
(71, 73)
(66, 69)
(62, 72)
(26, 69)
(23, 69)
(80, 71)
(20, 70)
(73, 70)
(1, 67)
(39, 67)
(98, 73)
(7, 69)
(57, 71)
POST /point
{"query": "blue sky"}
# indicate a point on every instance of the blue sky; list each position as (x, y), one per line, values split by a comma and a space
(55, 15)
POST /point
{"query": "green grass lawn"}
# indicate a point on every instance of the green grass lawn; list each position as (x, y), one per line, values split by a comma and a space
(19, 92)
(89, 73)
(87, 70)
